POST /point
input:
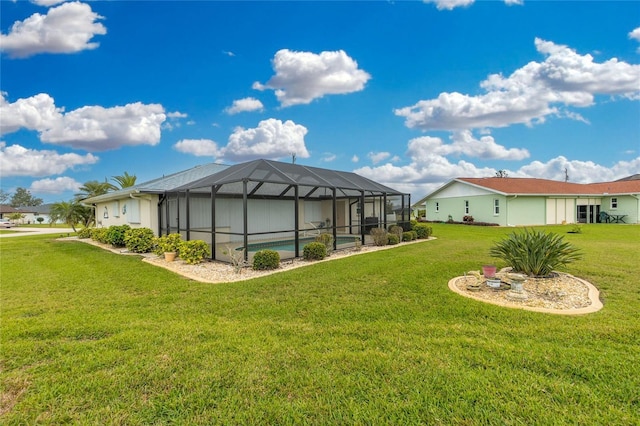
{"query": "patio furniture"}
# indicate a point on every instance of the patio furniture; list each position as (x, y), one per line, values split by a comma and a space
(605, 217)
(618, 218)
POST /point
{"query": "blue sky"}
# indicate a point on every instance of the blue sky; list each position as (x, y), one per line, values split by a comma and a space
(410, 94)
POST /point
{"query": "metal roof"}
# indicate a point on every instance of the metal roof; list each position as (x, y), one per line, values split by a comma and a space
(268, 178)
(162, 184)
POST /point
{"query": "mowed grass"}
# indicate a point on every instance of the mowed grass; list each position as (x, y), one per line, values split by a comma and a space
(93, 337)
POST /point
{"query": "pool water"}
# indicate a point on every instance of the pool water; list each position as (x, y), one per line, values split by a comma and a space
(289, 245)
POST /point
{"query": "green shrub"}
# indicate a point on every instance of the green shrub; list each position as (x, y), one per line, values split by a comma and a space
(413, 223)
(167, 243)
(535, 253)
(115, 235)
(397, 230)
(100, 235)
(326, 239)
(194, 251)
(379, 236)
(85, 232)
(314, 251)
(265, 260)
(393, 239)
(423, 231)
(407, 236)
(139, 240)
(414, 235)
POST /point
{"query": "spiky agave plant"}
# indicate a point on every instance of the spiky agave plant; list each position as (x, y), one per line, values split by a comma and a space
(535, 253)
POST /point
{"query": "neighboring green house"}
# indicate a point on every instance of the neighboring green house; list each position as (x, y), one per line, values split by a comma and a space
(526, 201)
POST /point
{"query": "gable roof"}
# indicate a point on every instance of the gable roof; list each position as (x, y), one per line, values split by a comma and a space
(533, 186)
(162, 184)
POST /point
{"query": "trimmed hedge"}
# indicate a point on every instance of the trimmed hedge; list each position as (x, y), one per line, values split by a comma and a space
(265, 260)
(314, 251)
(194, 251)
(116, 233)
(392, 239)
(139, 240)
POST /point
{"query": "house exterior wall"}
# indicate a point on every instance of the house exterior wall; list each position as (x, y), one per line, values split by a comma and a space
(138, 212)
(561, 210)
(526, 211)
(626, 204)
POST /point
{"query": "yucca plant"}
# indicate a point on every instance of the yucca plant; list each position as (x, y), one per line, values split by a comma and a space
(535, 253)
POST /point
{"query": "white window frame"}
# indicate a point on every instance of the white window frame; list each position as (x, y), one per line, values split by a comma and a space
(496, 207)
(466, 207)
(614, 203)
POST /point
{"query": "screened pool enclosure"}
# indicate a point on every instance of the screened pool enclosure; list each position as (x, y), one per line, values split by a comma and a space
(269, 204)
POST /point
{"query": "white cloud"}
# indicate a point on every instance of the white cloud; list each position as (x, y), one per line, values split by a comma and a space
(47, 2)
(96, 128)
(635, 35)
(530, 94)
(16, 160)
(272, 139)
(450, 4)
(328, 157)
(355, 159)
(198, 147)
(55, 186)
(465, 144)
(579, 171)
(67, 28)
(377, 157)
(302, 77)
(244, 105)
(177, 114)
(34, 113)
(93, 128)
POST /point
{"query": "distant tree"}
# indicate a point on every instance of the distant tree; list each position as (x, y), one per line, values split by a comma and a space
(125, 181)
(4, 196)
(16, 216)
(502, 174)
(93, 188)
(23, 198)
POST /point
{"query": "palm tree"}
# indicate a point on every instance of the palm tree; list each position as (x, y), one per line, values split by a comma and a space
(70, 212)
(125, 181)
(93, 188)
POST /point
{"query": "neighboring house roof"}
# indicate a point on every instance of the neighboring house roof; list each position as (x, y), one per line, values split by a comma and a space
(632, 177)
(532, 186)
(277, 173)
(162, 184)
(41, 209)
(5, 209)
(543, 187)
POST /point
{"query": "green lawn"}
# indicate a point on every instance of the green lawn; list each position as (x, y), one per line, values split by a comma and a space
(92, 337)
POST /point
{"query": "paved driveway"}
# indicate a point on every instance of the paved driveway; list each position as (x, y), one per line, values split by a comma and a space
(21, 231)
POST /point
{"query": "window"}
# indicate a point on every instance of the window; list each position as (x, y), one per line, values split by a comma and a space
(133, 211)
(496, 207)
(466, 206)
(437, 207)
(614, 203)
(115, 208)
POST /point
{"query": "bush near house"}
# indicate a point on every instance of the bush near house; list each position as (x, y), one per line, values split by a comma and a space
(379, 236)
(265, 260)
(85, 232)
(397, 230)
(100, 235)
(167, 243)
(194, 251)
(116, 233)
(314, 251)
(139, 240)
(392, 239)
(423, 230)
(326, 239)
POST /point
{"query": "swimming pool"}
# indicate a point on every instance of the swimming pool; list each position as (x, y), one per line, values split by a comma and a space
(289, 245)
